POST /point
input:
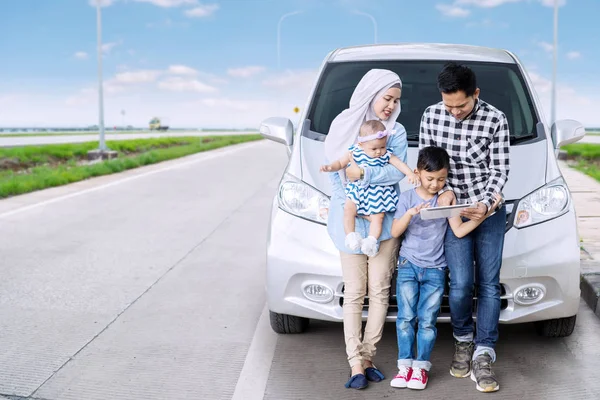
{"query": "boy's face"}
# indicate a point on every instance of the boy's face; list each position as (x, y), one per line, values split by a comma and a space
(374, 148)
(433, 182)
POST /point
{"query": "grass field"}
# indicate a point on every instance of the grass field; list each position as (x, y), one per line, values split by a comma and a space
(29, 168)
(585, 157)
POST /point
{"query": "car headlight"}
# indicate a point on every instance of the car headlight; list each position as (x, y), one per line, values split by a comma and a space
(548, 202)
(302, 200)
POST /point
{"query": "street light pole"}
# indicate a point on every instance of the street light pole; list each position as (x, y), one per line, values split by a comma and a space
(372, 20)
(102, 144)
(284, 16)
(554, 62)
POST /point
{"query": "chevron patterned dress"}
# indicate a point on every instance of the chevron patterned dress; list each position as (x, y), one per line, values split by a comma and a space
(372, 199)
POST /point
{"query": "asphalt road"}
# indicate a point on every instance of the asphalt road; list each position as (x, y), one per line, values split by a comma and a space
(30, 140)
(149, 285)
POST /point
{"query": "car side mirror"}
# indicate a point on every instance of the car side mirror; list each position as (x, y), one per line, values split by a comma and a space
(278, 129)
(566, 131)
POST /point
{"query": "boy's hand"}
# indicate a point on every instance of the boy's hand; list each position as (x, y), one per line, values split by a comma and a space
(326, 168)
(415, 210)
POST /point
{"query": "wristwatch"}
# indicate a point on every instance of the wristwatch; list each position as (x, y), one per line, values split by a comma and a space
(362, 173)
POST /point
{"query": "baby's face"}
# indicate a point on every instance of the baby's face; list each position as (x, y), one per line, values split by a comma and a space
(374, 148)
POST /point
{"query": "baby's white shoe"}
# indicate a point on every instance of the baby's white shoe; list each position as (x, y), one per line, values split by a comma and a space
(353, 241)
(370, 247)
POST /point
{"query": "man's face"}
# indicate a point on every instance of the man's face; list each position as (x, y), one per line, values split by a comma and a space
(459, 104)
(432, 182)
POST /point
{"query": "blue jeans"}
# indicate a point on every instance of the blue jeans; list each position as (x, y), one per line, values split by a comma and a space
(479, 254)
(419, 293)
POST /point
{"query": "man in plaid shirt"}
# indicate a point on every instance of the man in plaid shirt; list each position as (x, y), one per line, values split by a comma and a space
(476, 136)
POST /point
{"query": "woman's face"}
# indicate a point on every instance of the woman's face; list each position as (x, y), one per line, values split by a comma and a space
(386, 104)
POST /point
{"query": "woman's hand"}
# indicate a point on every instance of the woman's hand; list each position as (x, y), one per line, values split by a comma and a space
(353, 171)
(413, 179)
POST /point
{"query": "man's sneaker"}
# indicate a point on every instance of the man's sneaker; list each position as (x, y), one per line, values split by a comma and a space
(461, 362)
(402, 378)
(418, 379)
(483, 375)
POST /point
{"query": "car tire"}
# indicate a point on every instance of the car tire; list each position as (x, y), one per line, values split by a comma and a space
(560, 327)
(283, 323)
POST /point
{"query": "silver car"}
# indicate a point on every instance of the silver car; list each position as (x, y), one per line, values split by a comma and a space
(540, 269)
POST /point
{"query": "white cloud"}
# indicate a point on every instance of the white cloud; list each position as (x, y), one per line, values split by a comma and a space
(550, 3)
(245, 72)
(168, 3)
(485, 3)
(300, 81)
(573, 55)
(178, 84)
(547, 47)
(487, 23)
(182, 70)
(107, 47)
(452, 11)
(205, 10)
(81, 55)
(132, 77)
(569, 102)
(103, 3)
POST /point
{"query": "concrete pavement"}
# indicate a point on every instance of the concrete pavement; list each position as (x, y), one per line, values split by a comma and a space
(586, 195)
(58, 139)
(150, 285)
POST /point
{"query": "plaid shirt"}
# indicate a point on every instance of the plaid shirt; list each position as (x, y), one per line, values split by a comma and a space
(478, 147)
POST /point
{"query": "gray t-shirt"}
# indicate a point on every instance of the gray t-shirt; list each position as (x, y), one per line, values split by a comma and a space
(423, 243)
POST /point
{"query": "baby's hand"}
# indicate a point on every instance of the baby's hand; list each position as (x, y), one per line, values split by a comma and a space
(326, 168)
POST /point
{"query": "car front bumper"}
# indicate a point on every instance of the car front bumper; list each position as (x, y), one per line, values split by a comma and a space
(300, 252)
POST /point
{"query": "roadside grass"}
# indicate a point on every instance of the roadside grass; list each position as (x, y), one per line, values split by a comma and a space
(29, 168)
(585, 157)
(110, 132)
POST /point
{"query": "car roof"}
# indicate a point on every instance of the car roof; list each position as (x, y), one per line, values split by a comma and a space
(421, 51)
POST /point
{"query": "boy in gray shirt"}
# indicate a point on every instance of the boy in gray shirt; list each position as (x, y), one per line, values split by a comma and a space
(422, 267)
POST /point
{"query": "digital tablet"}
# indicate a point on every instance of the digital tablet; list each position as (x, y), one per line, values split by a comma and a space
(444, 212)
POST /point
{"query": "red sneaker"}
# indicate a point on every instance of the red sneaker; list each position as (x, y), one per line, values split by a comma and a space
(418, 379)
(402, 378)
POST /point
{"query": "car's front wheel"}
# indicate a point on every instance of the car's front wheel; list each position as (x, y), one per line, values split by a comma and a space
(560, 327)
(283, 323)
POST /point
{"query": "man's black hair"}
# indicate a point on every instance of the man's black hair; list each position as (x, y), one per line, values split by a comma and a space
(433, 159)
(454, 78)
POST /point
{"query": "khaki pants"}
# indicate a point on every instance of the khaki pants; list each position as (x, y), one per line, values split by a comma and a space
(361, 272)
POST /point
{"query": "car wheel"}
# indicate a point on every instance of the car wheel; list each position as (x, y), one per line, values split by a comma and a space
(560, 327)
(283, 323)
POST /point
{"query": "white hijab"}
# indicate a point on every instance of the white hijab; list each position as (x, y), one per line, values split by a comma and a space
(343, 132)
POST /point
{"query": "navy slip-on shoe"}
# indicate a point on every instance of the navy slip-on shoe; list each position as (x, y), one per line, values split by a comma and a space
(373, 374)
(358, 381)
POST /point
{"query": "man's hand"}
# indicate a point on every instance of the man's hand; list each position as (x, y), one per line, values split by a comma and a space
(477, 213)
(415, 210)
(353, 171)
(447, 199)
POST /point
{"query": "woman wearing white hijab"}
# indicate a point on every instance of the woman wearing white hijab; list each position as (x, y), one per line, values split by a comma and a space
(377, 96)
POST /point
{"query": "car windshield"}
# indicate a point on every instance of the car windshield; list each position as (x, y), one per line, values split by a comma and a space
(501, 85)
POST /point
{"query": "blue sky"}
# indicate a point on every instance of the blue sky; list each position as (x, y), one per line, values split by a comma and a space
(214, 63)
